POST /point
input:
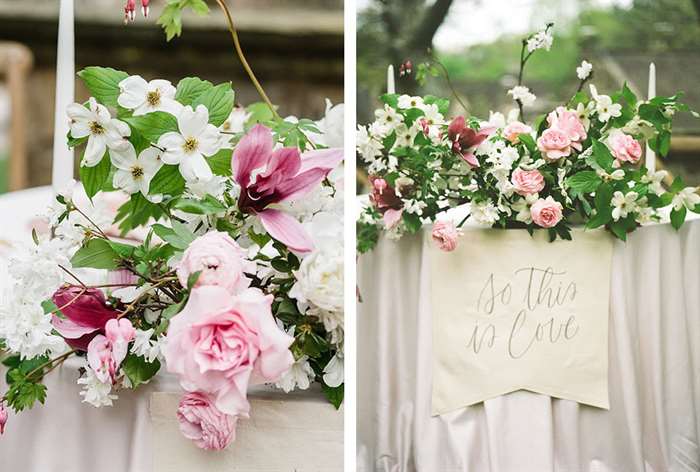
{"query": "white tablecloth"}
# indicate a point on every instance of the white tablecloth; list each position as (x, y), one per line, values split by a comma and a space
(654, 366)
(65, 435)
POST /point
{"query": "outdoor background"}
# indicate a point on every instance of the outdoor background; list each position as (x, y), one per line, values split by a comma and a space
(294, 46)
(479, 42)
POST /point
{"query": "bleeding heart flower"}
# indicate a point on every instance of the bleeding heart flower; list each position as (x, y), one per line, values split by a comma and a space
(3, 418)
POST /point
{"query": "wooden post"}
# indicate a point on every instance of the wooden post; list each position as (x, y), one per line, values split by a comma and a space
(16, 61)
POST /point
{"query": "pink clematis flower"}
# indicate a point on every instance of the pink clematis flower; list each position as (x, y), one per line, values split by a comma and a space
(268, 177)
(85, 315)
(465, 140)
(106, 353)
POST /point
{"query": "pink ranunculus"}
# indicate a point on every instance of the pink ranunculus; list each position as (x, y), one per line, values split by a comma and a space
(465, 140)
(568, 122)
(106, 353)
(220, 261)
(624, 147)
(269, 176)
(85, 314)
(513, 131)
(3, 418)
(445, 235)
(219, 344)
(546, 212)
(527, 182)
(554, 144)
(205, 424)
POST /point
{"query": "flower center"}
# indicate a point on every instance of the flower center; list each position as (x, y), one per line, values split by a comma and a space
(137, 172)
(227, 126)
(153, 97)
(190, 145)
(96, 128)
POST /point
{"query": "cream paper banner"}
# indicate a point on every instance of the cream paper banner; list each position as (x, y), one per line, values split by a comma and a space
(514, 312)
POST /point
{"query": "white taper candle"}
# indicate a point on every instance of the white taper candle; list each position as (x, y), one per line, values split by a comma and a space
(650, 155)
(65, 94)
(390, 85)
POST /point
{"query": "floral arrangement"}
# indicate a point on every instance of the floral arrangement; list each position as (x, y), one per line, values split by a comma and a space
(578, 164)
(205, 240)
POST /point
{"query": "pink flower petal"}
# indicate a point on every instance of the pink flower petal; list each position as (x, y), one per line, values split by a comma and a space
(286, 229)
(69, 329)
(253, 151)
(471, 159)
(392, 217)
(321, 158)
(300, 185)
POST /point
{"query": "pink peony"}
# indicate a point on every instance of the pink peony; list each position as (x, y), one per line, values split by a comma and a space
(106, 353)
(85, 315)
(204, 424)
(527, 182)
(514, 130)
(219, 344)
(220, 260)
(554, 144)
(3, 418)
(445, 235)
(546, 212)
(568, 122)
(465, 140)
(624, 147)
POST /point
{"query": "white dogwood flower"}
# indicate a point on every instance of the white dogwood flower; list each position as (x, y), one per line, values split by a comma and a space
(298, 376)
(688, 197)
(134, 173)
(604, 106)
(188, 147)
(235, 123)
(623, 204)
(654, 179)
(145, 97)
(334, 372)
(95, 123)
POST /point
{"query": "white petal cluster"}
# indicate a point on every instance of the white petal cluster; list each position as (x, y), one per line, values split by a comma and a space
(299, 376)
(540, 40)
(96, 392)
(584, 70)
(522, 93)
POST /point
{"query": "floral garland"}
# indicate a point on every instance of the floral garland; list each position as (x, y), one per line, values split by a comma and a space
(206, 239)
(578, 164)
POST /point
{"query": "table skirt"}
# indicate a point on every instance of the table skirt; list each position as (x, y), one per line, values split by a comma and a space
(654, 374)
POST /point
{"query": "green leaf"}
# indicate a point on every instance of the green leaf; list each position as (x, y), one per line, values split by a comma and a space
(528, 141)
(220, 162)
(442, 103)
(171, 17)
(103, 83)
(601, 201)
(678, 217)
(206, 206)
(259, 113)
(602, 155)
(677, 184)
(280, 265)
(629, 95)
(95, 178)
(173, 310)
(169, 235)
(153, 125)
(412, 222)
(97, 253)
(190, 88)
(139, 370)
(334, 394)
(192, 279)
(167, 181)
(219, 102)
(584, 182)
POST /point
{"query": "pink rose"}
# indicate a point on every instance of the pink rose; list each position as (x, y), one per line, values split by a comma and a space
(546, 212)
(3, 418)
(445, 235)
(514, 130)
(219, 344)
(527, 182)
(204, 424)
(221, 261)
(106, 353)
(554, 144)
(624, 147)
(568, 122)
(85, 313)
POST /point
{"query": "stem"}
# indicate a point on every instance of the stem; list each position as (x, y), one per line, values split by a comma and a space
(92, 223)
(72, 275)
(451, 85)
(51, 362)
(244, 62)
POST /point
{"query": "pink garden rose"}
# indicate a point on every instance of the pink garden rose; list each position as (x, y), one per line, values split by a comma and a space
(568, 122)
(221, 261)
(554, 144)
(205, 424)
(624, 147)
(514, 130)
(445, 235)
(85, 313)
(546, 212)
(527, 182)
(3, 418)
(106, 353)
(219, 344)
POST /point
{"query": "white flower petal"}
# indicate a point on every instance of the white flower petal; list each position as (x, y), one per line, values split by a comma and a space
(209, 141)
(94, 151)
(195, 168)
(164, 86)
(193, 122)
(123, 179)
(173, 143)
(133, 92)
(123, 158)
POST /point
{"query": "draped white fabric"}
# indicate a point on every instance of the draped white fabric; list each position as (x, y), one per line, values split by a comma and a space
(654, 366)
